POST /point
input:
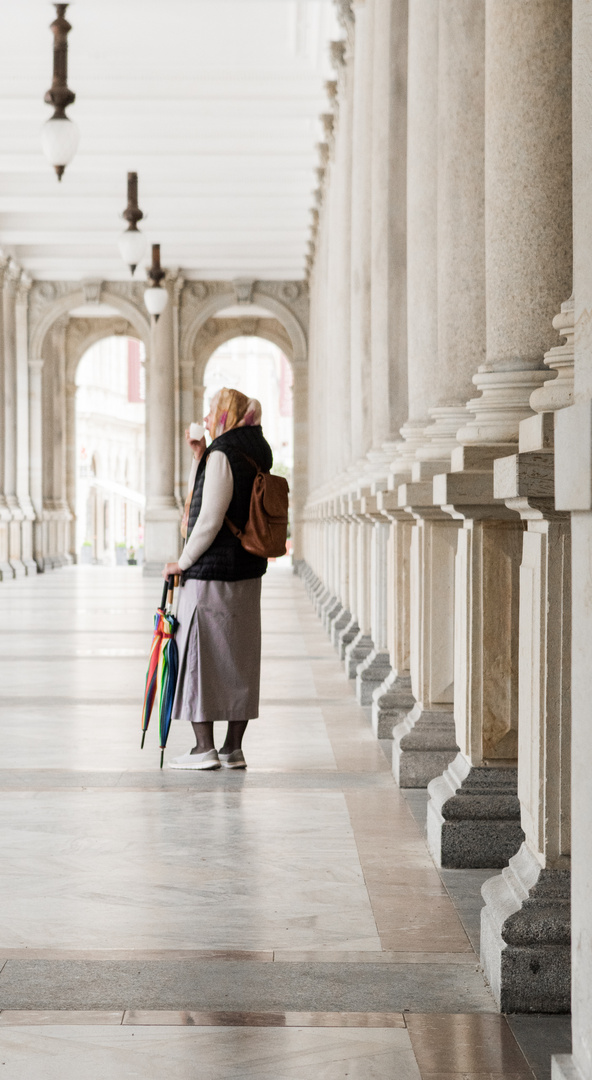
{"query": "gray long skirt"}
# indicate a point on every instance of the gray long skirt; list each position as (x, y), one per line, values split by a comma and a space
(219, 643)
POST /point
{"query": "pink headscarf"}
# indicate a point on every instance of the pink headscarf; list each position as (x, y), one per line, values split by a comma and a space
(231, 409)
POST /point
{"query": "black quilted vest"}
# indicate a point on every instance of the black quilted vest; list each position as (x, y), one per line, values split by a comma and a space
(226, 559)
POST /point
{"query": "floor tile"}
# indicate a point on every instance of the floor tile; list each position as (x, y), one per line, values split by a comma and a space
(184, 1053)
(472, 1044)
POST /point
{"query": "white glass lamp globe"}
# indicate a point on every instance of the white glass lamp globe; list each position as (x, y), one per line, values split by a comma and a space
(156, 300)
(59, 139)
(132, 246)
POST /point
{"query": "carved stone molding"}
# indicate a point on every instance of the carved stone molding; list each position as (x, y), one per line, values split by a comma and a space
(243, 288)
(337, 54)
(92, 291)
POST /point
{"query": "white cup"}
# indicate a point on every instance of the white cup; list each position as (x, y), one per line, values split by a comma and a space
(196, 432)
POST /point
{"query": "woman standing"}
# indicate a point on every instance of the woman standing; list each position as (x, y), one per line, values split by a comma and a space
(219, 635)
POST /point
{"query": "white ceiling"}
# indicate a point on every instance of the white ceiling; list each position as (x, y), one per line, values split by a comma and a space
(215, 103)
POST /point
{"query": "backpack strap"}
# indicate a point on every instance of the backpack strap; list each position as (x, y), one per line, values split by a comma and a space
(234, 530)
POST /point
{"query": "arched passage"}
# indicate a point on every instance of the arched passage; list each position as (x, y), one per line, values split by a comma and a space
(64, 328)
(109, 451)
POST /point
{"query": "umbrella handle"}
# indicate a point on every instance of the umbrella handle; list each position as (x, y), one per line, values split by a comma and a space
(172, 581)
(164, 594)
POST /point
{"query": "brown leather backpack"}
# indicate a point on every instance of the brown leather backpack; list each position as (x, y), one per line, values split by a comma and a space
(266, 530)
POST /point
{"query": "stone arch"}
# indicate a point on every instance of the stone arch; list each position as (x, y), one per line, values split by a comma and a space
(82, 334)
(211, 337)
(61, 306)
(281, 311)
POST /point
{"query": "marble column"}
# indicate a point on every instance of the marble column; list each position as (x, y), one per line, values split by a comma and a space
(528, 274)
(388, 296)
(71, 463)
(36, 456)
(11, 283)
(419, 319)
(573, 492)
(445, 91)
(22, 375)
(421, 221)
(163, 519)
(188, 416)
(388, 302)
(6, 570)
(61, 514)
(180, 443)
(360, 297)
(341, 177)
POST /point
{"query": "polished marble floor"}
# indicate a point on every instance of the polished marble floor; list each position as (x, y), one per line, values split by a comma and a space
(283, 922)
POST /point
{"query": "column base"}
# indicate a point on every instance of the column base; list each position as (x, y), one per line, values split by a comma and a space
(330, 611)
(6, 571)
(391, 702)
(474, 816)
(424, 744)
(30, 567)
(357, 651)
(339, 623)
(18, 567)
(345, 637)
(370, 675)
(321, 596)
(526, 937)
(563, 1067)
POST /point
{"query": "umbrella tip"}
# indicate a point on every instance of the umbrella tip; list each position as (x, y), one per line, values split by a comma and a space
(161, 758)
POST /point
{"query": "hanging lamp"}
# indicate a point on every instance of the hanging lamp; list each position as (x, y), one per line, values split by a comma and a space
(155, 297)
(132, 243)
(60, 135)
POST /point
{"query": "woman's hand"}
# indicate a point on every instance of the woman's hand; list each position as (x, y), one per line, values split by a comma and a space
(171, 569)
(198, 446)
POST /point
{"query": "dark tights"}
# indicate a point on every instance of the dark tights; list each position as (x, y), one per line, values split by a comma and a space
(204, 737)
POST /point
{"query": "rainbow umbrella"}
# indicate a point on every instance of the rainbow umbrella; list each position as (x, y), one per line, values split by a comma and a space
(166, 679)
(163, 660)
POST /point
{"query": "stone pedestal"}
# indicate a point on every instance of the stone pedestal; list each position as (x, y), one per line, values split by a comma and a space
(433, 543)
(358, 649)
(338, 625)
(391, 703)
(526, 937)
(376, 666)
(393, 699)
(525, 944)
(6, 570)
(474, 816)
(370, 674)
(424, 744)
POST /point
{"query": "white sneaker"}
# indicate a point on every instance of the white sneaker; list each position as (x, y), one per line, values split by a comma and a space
(208, 760)
(235, 760)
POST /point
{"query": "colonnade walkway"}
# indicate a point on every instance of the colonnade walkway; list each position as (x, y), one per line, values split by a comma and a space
(286, 922)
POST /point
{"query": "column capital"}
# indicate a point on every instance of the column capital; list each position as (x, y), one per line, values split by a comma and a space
(24, 288)
(12, 277)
